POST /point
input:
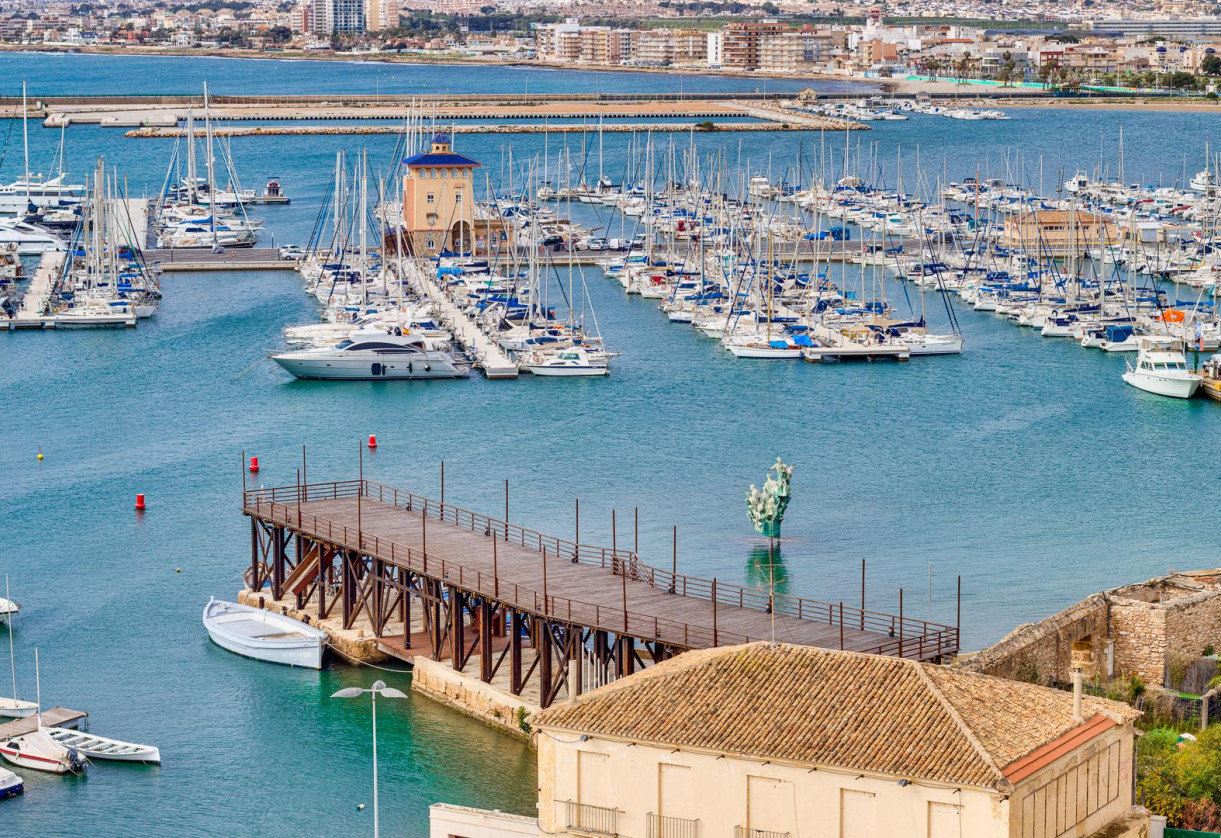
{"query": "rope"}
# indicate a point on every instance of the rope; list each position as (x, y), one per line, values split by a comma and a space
(366, 663)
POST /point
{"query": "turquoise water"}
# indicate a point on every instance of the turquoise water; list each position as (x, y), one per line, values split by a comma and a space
(1025, 465)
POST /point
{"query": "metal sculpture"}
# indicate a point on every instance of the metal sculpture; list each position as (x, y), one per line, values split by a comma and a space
(766, 506)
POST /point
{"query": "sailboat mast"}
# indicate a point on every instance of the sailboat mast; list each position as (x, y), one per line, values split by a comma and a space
(25, 141)
(12, 660)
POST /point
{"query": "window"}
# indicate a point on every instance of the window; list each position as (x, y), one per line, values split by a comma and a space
(432, 198)
(445, 173)
(458, 196)
(434, 173)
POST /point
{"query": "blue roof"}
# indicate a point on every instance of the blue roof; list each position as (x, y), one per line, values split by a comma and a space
(428, 158)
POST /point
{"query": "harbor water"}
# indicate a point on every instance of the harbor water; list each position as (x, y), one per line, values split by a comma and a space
(1024, 465)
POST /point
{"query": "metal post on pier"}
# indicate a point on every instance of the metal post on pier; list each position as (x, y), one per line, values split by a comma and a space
(636, 530)
(841, 625)
(614, 530)
(506, 509)
(360, 491)
(958, 616)
(674, 562)
(243, 475)
(862, 594)
(714, 626)
(304, 476)
(900, 622)
(546, 609)
(624, 578)
(442, 490)
(577, 537)
(495, 571)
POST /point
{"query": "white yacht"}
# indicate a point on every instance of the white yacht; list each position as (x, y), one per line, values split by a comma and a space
(11, 784)
(30, 240)
(35, 192)
(1204, 181)
(1161, 368)
(373, 358)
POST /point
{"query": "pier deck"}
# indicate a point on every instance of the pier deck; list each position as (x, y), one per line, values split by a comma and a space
(385, 552)
(34, 303)
(488, 354)
(55, 717)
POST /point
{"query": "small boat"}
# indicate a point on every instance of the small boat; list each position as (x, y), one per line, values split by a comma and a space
(373, 358)
(37, 751)
(1161, 368)
(99, 747)
(8, 609)
(568, 363)
(13, 707)
(11, 784)
(258, 633)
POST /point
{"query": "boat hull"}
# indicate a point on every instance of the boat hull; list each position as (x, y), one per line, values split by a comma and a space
(282, 640)
(1173, 387)
(11, 785)
(364, 370)
(101, 748)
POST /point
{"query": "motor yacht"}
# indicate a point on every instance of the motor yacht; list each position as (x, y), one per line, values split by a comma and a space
(373, 358)
(1161, 368)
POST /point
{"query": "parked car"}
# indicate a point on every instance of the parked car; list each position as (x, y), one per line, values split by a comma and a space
(292, 251)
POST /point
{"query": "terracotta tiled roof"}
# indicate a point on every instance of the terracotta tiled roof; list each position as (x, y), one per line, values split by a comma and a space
(834, 709)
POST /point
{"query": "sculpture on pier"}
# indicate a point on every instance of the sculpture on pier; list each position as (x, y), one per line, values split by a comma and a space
(766, 506)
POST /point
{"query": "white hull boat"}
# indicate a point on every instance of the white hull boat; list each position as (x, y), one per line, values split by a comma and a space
(1161, 369)
(11, 784)
(8, 609)
(15, 708)
(929, 344)
(566, 363)
(373, 358)
(37, 751)
(99, 747)
(260, 634)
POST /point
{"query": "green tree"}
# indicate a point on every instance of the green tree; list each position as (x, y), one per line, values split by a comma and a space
(1211, 65)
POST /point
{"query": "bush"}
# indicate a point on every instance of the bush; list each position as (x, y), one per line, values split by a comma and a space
(706, 125)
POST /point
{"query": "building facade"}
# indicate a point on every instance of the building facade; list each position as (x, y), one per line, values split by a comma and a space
(768, 739)
(438, 200)
(338, 17)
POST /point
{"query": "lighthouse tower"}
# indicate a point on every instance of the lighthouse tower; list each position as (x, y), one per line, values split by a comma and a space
(438, 200)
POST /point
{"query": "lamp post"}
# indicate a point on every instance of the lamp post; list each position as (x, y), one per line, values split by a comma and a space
(379, 687)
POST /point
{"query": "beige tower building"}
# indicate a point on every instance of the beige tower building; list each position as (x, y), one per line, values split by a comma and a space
(438, 200)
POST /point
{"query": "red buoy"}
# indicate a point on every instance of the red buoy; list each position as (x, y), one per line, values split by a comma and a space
(139, 503)
(372, 441)
(254, 464)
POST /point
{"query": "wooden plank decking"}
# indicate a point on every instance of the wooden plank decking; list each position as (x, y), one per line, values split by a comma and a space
(55, 717)
(580, 584)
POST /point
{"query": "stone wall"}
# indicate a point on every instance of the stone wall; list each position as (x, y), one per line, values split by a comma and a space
(1133, 824)
(1139, 631)
(503, 711)
(1041, 652)
(1147, 623)
(355, 644)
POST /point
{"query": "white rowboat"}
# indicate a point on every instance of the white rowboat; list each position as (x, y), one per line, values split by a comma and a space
(15, 708)
(99, 747)
(262, 635)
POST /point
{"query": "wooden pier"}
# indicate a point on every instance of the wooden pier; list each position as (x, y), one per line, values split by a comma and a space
(55, 717)
(436, 579)
(172, 260)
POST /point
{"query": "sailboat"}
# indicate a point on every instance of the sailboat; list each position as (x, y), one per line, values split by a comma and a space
(13, 707)
(37, 751)
(32, 192)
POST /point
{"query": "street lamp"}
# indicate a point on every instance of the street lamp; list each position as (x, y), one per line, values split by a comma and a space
(379, 687)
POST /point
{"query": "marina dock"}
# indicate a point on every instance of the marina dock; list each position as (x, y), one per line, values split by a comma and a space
(515, 599)
(55, 717)
(201, 259)
(487, 353)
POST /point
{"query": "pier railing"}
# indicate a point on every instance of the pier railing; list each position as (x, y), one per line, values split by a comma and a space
(905, 637)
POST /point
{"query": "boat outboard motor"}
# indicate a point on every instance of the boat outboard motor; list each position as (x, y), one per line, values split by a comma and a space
(75, 760)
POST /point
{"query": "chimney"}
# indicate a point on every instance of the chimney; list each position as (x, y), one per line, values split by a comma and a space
(1078, 678)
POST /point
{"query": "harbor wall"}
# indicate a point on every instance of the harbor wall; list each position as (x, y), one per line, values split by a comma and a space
(1134, 630)
(501, 710)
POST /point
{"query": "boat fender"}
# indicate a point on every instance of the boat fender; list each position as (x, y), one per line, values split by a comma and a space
(428, 368)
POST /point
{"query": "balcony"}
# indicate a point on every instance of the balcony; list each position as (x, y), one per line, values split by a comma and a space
(743, 832)
(591, 820)
(663, 827)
